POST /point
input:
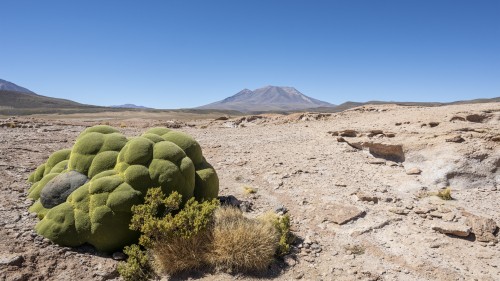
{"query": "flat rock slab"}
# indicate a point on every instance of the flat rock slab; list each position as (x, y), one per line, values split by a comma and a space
(345, 213)
(455, 229)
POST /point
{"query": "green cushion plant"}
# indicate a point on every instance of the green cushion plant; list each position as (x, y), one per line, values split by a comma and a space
(120, 171)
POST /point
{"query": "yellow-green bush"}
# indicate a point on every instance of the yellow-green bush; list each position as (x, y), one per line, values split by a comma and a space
(137, 267)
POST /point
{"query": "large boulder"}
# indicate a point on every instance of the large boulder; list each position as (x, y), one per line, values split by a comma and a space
(60, 187)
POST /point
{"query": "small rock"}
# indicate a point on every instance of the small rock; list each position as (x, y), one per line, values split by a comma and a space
(452, 229)
(281, 210)
(367, 198)
(348, 133)
(399, 211)
(12, 260)
(414, 171)
(424, 209)
(436, 214)
(345, 213)
(448, 216)
(377, 162)
(119, 256)
(457, 139)
(341, 139)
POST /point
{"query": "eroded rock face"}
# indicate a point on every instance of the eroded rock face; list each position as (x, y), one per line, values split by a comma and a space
(59, 188)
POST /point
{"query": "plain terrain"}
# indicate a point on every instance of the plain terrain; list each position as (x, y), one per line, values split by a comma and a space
(359, 215)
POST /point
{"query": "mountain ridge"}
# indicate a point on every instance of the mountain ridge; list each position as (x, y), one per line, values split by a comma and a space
(268, 98)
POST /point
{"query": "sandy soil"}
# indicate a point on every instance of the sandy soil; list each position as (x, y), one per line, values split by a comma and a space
(362, 214)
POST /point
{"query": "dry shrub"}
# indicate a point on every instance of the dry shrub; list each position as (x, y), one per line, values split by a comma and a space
(179, 254)
(240, 243)
(282, 225)
(178, 239)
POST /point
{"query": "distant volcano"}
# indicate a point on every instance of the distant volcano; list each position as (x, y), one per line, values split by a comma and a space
(270, 98)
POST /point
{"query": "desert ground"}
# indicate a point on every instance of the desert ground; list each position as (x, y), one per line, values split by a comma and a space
(359, 185)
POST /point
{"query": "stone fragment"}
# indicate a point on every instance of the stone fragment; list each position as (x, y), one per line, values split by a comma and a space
(344, 213)
(13, 260)
(424, 209)
(457, 139)
(366, 197)
(348, 133)
(455, 229)
(433, 124)
(414, 171)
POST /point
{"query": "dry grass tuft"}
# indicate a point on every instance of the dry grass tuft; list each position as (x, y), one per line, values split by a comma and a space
(355, 249)
(179, 254)
(249, 190)
(240, 243)
(445, 194)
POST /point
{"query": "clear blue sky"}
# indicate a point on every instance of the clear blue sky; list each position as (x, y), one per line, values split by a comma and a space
(171, 54)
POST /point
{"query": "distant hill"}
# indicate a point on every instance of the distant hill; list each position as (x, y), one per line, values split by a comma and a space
(351, 104)
(129, 105)
(270, 98)
(9, 86)
(17, 100)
